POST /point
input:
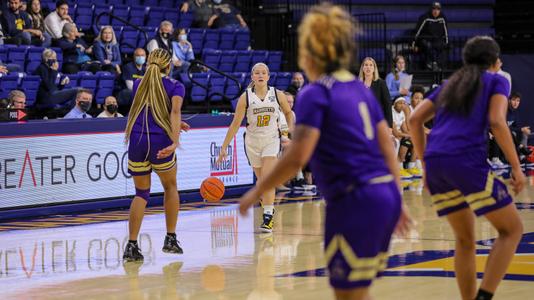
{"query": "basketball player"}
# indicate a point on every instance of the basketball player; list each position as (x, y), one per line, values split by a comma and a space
(153, 131)
(460, 181)
(261, 104)
(340, 126)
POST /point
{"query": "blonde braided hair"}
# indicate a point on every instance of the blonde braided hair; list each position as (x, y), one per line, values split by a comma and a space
(151, 94)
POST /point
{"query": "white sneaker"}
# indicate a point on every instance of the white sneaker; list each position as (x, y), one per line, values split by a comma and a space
(496, 163)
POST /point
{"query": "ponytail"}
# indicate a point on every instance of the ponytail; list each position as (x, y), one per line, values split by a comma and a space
(460, 92)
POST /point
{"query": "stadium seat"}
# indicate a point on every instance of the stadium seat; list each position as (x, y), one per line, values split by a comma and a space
(242, 61)
(247, 79)
(155, 16)
(121, 11)
(228, 60)
(84, 15)
(115, 2)
(227, 39)
(242, 39)
(272, 78)
(137, 15)
(17, 55)
(74, 80)
(217, 86)
(167, 4)
(196, 38)
(30, 86)
(98, 9)
(128, 40)
(199, 94)
(275, 61)
(8, 83)
(232, 90)
(186, 19)
(33, 59)
(259, 56)
(211, 39)
(151, 3)
(88, 81)
(172, 15)
(283, 80)
(3, 53)
(106, 84)
(211, 57)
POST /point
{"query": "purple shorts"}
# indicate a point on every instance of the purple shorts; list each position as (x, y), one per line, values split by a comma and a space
(358, 230)
(142, 154)
(459, 182)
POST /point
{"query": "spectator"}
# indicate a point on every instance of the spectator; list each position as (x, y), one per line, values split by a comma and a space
(84, 98)
(393, 79)
(370, 77)
(202, 12)
(18, 25)
(52, 87)
(431, 37)
(182, 51)
(226, 16)
(163, 39)
(497, 68)
(17, 99)
(519, 133)
(403, 142)
(37, 17)
(75, 52)
(4, 104)
(55, 21)
(297, 80)
(418, 95)
(110, 109)
(132, 71)
(107, 51)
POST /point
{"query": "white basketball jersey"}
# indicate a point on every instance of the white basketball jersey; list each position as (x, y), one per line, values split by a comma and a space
(263, 115)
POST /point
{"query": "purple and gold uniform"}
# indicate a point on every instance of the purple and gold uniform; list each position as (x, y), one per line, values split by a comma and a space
(147, 138)
(363, 202)
(457, 173)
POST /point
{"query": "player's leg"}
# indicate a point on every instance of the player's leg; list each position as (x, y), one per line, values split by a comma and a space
(361, 293)
(171, 203)
(463, 225)
(508, 224)
(137, 211)
(268, 164)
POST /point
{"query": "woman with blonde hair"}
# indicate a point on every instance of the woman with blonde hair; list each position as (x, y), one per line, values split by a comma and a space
(370, 77)
(262, 105)
(106, 50)
(340, 127)
(153, 133)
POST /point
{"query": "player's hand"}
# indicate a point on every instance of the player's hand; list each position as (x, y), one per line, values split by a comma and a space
(184, 126)
(222, 155)
(247, 200)
(518, 180)
(167, 151)
(404, 224)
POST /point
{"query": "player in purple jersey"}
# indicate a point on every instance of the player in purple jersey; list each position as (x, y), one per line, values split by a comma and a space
(153, 131)
(340, 127)
(458, 177)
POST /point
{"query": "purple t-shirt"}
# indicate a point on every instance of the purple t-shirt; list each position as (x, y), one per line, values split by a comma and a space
(173, 88)
(346, 113)
(455, 134)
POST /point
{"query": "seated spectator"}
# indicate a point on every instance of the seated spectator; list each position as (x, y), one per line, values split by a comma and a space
(163, 39)
(403, 141)
(37, 17)
(52, 87)
(226, 16)
(297, 81)
(182, 51)
(18, 25)
(370, 77)
(519, 133)
(417, 96)
(84, 98)
(75, 52)
(17, 99)
(106, 50)
(497, 68)
(110, 109)
(132, 71)
(431, 37)
(393, 79)
(55, 21)
(202, 12)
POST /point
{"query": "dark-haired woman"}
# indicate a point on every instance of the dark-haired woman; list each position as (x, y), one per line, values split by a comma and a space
(460, 181)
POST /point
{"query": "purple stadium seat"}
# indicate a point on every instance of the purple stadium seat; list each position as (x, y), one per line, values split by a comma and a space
(217, 84)
(228, 60)
(199, 94)
(242, 61)
(211, 39)
(30, 86)
(227, 39)
(156, 16)
(33, 59)
(211, 57)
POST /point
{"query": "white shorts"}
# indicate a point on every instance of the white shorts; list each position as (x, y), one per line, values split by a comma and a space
(258, 147)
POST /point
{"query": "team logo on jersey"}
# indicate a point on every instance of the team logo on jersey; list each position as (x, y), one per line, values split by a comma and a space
(227, 167)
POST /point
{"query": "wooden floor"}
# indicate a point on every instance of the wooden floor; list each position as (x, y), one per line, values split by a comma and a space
(79, 257)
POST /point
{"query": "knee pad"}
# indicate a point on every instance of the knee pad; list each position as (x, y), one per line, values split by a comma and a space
(145, 194)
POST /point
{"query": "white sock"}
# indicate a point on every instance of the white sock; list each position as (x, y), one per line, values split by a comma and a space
(299, 175)
(419, 164)
(401, 165)
(411, 165)
(268, 209)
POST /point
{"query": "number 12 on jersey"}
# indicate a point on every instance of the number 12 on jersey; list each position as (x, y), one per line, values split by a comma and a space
(263, 120)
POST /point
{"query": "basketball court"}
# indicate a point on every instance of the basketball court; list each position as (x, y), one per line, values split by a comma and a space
(80, 256)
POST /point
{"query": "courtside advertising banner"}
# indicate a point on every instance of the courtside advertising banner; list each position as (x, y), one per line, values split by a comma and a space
(74, 167)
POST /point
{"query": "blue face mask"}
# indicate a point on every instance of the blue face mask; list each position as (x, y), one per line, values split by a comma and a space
(183, 37)
(217, 1)
(140, 60)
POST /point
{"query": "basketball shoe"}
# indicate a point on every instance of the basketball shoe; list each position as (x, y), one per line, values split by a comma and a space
(132, 253)
(171, 245)
(268, 222)
(405, 174)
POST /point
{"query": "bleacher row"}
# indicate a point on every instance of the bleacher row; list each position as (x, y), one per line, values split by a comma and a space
(241, 61)
(219, 84)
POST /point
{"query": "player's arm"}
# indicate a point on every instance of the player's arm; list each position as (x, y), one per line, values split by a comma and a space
(286, 109)
(234, 126)
(384, 142)
(176, 120)
(422, 114)
(295, 156)
(499, 128)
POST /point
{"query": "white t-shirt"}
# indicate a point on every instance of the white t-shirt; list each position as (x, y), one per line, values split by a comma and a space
(398, 118)
(104, 114)
(53, 24)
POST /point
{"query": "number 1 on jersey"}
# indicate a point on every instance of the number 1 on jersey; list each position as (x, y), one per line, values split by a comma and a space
(366, 118)
(263, 120)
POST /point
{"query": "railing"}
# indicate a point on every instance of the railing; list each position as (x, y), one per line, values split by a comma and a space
(196, 64)
(124, 21)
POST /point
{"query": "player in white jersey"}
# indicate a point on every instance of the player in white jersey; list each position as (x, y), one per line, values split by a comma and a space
(262, 105)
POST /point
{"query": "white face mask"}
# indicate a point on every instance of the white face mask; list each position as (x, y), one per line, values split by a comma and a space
(217, 1)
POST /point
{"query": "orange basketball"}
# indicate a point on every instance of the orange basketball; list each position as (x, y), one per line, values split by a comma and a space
(212, 189)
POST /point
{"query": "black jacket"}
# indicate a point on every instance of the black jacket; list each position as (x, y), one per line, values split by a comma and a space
(381, 92)
(432, 28)
(49, 79)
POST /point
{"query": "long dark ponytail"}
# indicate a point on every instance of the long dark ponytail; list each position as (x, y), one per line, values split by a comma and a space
(460, 92)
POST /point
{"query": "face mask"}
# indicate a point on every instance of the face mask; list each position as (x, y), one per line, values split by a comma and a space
(112, 108)
(165, 35)
(183, 37)
(217, 1)
(84, 105)
(140, 60)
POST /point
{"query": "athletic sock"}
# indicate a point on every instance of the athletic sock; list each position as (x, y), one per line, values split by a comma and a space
(132, 242)
(484, 295)
(411, 165)
(173, 234)
(268, 209)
